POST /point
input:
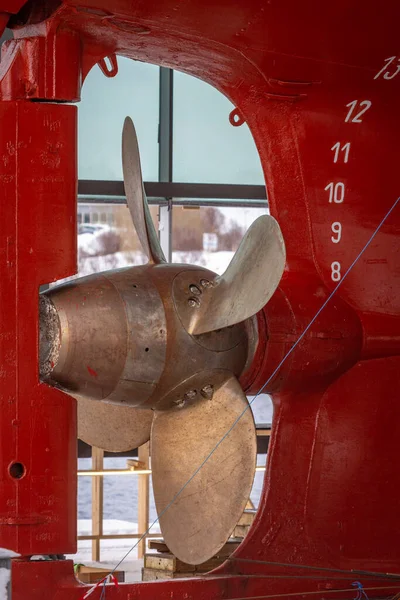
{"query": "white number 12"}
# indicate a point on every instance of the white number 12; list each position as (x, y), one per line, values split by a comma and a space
(356, 118)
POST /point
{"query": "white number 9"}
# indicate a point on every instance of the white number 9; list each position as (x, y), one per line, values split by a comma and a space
(337, 230)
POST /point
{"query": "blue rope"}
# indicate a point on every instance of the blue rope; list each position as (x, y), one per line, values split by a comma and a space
(361, 593)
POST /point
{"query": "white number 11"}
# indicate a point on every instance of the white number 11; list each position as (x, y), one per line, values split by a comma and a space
(337, 148)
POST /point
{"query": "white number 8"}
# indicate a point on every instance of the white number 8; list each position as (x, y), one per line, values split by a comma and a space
(335, 274)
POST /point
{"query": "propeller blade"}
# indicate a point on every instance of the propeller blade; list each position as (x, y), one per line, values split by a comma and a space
(113, 427)
(135, 195)
(246, 286)
(197, 523)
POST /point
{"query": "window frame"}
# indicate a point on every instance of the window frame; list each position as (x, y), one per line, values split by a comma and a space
(165, 192)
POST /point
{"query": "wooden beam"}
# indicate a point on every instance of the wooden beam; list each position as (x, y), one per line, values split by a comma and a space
(118, 536)
(143, 496)
(97, 501)
(263, 432)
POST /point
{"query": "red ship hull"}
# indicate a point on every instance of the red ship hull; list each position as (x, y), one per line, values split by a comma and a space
(318, 86)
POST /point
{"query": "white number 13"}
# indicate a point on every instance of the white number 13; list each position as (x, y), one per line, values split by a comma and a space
(388, 62)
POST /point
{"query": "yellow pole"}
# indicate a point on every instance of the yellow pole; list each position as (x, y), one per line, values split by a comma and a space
(97, 501)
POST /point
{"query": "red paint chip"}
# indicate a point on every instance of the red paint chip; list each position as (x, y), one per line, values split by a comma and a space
(92, 372)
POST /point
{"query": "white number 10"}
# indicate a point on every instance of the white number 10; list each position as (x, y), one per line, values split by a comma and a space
(336, 192)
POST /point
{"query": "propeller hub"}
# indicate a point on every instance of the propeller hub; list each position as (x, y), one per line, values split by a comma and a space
(120, 337)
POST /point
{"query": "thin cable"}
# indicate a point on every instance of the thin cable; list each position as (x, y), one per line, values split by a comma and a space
(321, 592)
(287, 577)
(327, 300)
(297, 577)
(257, 394)
(313, 568)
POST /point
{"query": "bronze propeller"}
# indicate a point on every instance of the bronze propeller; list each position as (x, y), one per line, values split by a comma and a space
(155, 352)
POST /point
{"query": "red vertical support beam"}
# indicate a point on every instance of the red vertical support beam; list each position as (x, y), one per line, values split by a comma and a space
(37, 245)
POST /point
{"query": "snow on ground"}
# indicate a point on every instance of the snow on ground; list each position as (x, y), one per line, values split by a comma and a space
(111, 551)
(89, 246)
(215, 261)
